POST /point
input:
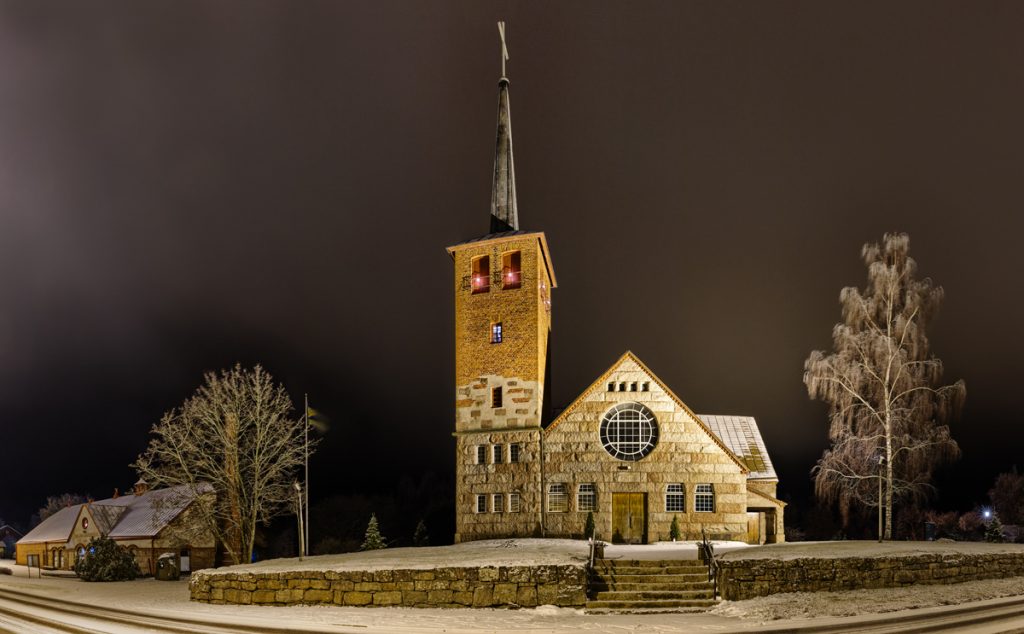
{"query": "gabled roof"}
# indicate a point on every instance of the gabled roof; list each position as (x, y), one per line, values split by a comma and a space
(56, 528)
(602, 380)
(125, 516)
(741, 435)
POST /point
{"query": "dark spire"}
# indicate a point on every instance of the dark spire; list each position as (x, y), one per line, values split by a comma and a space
(504, 212)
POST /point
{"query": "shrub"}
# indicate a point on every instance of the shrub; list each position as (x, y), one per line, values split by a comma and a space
(420, 536)
(106, 561)
(673, 530)
(590, 527)
(994, 530)
(5, 571)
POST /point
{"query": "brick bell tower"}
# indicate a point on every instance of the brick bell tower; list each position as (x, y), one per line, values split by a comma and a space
(502, 287)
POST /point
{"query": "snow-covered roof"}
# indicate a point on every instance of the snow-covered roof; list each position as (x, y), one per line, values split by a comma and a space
(125, 516)
(56, 528)
(741, 435)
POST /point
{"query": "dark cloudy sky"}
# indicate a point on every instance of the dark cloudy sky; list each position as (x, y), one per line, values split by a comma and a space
(187, 184)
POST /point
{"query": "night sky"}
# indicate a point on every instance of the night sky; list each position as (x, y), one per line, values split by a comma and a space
(185, 185)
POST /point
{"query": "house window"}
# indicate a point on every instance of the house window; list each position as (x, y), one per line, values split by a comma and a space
(586, 497)
(646, 387)
(481, 504)
(496, 397)
(511, 270)
(629, 431)
(499, 454)
(704, 500)
(481, 454)
(496, 332)
(498, 503)
(513, 452)
(513, 502)
(675, 498)
(558, 498)
(622, 386)
(481, 275)
(611, 387)
(632, 386)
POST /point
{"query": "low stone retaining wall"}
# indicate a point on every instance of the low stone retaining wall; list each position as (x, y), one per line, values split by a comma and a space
(748, 578)
(501, 586)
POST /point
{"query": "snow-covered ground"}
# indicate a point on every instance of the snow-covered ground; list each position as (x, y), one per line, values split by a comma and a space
(841, 549)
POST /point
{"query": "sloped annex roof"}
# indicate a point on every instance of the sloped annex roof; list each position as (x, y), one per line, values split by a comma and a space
(125, 516)
(741, 435)
(629, 356)
(56, 528)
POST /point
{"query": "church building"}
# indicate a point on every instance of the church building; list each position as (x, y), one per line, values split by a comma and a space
(628, 449)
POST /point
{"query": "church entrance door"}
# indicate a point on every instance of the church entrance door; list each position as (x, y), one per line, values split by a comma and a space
(629, 518)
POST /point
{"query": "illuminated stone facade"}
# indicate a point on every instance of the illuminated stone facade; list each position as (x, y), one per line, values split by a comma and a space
(627, 450)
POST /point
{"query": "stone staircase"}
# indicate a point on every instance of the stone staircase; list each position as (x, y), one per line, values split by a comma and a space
(640, 586)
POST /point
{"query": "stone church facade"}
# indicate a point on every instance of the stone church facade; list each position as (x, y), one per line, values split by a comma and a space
(627, 450)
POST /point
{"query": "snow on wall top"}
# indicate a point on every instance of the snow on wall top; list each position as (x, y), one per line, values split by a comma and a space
(741, 435)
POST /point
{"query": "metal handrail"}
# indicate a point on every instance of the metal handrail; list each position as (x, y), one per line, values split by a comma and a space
(709, 557)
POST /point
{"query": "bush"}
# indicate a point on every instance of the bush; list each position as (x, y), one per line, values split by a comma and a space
(590, 527)
(994, 530)
(5, 571)
(420, 537)
(373, 539)
(106, 561)
(673, 531)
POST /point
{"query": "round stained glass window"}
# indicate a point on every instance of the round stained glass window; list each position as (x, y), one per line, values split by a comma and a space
(629, 431)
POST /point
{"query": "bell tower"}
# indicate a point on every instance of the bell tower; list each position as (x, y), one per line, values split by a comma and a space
(502, 287)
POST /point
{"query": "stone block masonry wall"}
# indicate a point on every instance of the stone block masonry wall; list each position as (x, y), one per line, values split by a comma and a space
(503, 586)
(748, 578)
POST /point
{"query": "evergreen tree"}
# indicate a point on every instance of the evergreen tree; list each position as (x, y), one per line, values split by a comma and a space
(373, 539)
(994, 530)
(674, 531)
(883, 388)
(105, 560)
(420, 536)
(590, 527)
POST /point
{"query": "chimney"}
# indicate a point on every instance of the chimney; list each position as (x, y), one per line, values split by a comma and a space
(117, 493)
(141, 487)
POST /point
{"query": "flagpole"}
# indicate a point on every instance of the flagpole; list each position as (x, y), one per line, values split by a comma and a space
(305, 429)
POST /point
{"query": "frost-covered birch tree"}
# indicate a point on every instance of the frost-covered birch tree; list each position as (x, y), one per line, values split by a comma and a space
(887, 407)
(237, 435)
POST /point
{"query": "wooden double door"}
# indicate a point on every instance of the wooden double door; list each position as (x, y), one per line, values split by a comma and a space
(629, 518)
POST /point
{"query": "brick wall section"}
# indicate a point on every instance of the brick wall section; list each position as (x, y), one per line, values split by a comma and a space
(504, 586)
(745, 579)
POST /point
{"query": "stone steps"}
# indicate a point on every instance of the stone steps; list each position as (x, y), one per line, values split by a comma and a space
(645, 587)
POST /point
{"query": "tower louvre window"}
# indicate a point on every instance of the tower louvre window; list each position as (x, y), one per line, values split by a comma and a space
(481, 274)
(496, 332)
(511, 270)
(496, 397)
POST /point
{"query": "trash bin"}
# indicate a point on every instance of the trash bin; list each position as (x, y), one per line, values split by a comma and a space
(167, 568)
(929, 531)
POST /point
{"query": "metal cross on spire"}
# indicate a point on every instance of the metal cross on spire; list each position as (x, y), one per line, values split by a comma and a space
(504, 49)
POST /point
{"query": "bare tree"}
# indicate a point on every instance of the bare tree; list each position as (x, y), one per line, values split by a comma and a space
(1007, 495)
(882, 386)
(236, 435)
(55, 503)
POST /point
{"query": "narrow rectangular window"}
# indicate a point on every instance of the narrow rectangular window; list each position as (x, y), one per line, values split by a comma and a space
(496, 332)
(558, 498)
(481, 454)
(632, 386)
(481, 504)
(496, 397)
(675, 498)
(622, 386)
(586, 497)
(611, 387)
(498, 503)
(704, 499)
(513, 502)
(646, 387)
(499, 454)
(511, 270)
(481, 274)
(513, 452)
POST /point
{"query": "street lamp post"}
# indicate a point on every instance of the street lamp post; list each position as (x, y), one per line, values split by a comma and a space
(881, 465)
(298, 498)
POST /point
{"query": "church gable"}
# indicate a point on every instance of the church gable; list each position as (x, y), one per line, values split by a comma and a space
(628, 380)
